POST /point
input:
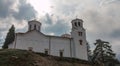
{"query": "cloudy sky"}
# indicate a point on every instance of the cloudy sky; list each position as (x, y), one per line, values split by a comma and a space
(101, 17)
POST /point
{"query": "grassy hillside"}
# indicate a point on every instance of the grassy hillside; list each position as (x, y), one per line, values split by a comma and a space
(11, 57)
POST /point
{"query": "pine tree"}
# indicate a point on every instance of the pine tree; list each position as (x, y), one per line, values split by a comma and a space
(103, 52)
(10, 37)
(1, 42)
(89, 52)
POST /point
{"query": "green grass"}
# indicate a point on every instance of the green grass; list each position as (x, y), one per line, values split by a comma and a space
(15, 57)
(64, 59)
(10, 57)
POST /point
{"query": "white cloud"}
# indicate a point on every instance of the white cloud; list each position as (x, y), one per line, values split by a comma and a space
(14, 12)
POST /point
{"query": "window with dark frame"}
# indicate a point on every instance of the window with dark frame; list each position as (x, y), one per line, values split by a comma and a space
(46, 51)
(80, 41)
(75, 24)
(61, 53)
(79, 23)
(80, 33)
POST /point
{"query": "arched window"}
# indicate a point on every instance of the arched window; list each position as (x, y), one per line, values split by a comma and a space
(79, 24)
(80, 41)
(35, 27)
(80, 33)
(75, 24)
(61, 53)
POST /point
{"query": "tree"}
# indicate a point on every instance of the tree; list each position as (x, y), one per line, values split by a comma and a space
(10, 37)
(103, 52)
(89, 52)
(1, 42)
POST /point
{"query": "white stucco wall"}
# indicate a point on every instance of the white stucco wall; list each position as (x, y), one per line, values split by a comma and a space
(80, 50)
(32, 39)
(58, 44)
(40, 42)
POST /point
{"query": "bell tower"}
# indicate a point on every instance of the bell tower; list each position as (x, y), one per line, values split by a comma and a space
(78, 34)
(34, 25)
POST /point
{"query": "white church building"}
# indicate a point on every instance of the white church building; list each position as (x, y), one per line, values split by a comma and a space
(74, 45)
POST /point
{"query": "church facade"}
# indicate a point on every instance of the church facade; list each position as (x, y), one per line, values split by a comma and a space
(74, 45)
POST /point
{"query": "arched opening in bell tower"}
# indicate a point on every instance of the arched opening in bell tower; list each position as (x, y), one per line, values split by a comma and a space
(34, 25)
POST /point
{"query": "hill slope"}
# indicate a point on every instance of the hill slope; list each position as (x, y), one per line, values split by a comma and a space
(12, 57)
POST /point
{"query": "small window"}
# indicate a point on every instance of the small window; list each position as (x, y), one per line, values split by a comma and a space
(30, 48)
(46, 51)
(61, 53)
(79, 23)
(80, 33)
(75, 24)
(80, 41)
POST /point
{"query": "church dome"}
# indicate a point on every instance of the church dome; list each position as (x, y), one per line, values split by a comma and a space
(66, 35)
